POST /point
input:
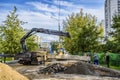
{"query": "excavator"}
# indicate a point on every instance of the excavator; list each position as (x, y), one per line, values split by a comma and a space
(31, 58)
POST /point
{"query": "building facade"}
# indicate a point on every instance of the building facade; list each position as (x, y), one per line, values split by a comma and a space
(111, 7)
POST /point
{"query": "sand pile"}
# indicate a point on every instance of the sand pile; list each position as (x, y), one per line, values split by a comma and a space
(7, 73)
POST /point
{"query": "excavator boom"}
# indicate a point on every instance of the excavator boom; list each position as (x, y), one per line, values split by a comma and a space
(40, 30)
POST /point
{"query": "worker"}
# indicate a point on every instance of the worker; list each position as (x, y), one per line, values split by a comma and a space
(96, 58)
(107, 58)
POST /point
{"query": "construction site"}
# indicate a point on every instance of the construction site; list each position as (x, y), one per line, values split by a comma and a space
(42, 65)
(71, 68)
(81, 34)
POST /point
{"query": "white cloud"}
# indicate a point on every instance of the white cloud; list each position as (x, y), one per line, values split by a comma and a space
(70, 7)
(41, 18)
(63, 3)
(49, 38)
(3, 16)
(44, 7)
(99, 13)
(36, 19)
(92, 1)
(47, 8)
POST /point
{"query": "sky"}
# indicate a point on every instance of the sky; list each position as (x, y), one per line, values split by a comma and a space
(45, 13)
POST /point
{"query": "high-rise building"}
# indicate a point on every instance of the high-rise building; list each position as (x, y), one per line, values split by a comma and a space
(111, 7)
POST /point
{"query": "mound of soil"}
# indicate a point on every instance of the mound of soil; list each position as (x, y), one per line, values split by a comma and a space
(54, 68)
(90, 69)
(80, 68)
(7, 73)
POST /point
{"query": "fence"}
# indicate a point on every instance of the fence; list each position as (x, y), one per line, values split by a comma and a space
(114, 58)
(3, 57)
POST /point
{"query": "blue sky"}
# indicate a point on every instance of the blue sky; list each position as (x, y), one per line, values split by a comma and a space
(44, 13)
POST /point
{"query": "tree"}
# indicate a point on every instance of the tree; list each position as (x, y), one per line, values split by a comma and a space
(31, 44)
(84, 31)
(11, 32)
(115, 34)
(54, 46)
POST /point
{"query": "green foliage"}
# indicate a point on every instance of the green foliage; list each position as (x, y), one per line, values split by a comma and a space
(115, 35)
(10, 34)
(31, 44)
(110, 46)
(114, 59)
(54, 46)
(0, 44)
(85, 33)
(102, 58)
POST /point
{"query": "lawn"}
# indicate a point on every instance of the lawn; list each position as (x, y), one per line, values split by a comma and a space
(112, 67)
(7, 59)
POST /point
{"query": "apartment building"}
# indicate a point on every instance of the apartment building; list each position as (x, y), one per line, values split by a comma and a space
(111, 7)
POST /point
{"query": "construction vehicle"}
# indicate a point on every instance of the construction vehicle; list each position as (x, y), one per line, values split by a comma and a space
(32, 57)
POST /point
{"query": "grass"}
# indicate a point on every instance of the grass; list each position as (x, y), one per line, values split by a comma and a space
(112, 67)
(7, 59)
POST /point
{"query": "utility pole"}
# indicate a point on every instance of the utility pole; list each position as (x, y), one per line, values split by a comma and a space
(60, 45)
(59, 17)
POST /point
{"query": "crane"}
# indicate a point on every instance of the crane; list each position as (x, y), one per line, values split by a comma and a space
(31, 57)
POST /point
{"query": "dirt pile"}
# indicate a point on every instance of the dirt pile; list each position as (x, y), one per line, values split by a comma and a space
(90, 69)
(54, 68)
(7, 73)
(80, 68)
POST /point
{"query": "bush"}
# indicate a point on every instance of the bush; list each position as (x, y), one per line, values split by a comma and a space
(114, 59)
(101, 58)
